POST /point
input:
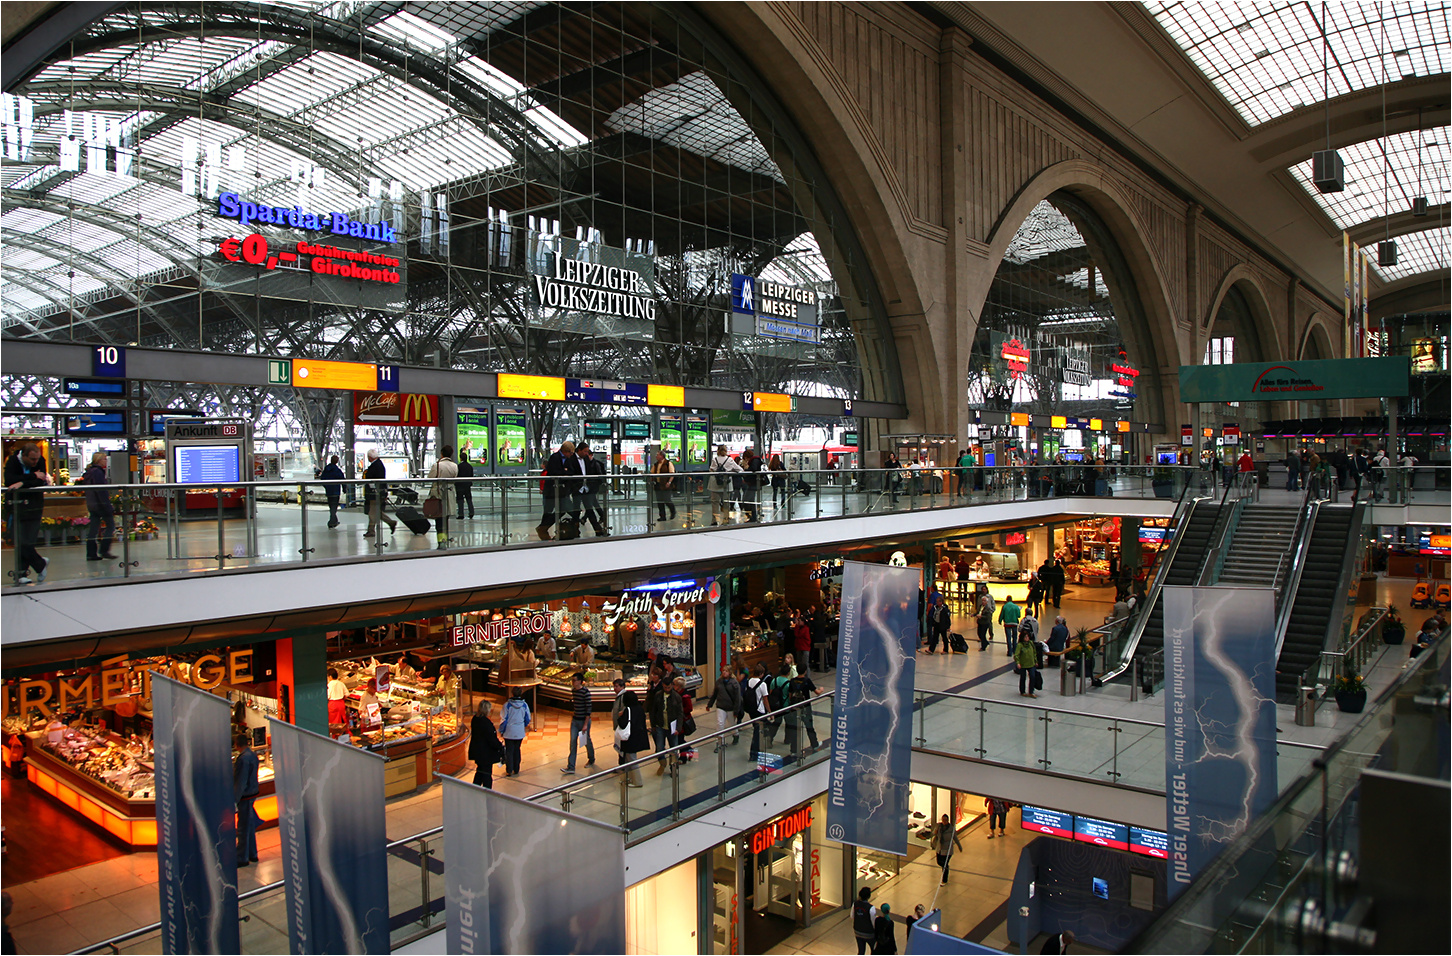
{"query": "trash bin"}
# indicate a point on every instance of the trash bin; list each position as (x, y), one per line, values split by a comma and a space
(1306, 707)
(1068, 679)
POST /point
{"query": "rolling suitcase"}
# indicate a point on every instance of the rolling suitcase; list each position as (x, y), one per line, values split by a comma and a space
(959, 644)
(568, 529)
(413, 518)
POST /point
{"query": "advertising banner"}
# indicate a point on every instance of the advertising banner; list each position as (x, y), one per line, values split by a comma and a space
(330, 813)
(671, 437)
(473, 433)
(697, 437)
(525, 878)
(509, 436)
(395, 408)
(1296, 381)
(1220, 720)
(196, 819)
(867, 798)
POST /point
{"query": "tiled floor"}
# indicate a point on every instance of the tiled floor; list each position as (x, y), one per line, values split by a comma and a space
(64, 911)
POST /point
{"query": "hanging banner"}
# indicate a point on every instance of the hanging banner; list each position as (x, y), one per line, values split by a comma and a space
(196, 818)
(1220, 720)
(330, 814)
(1297, 381)
(1346, 280)
(508, 856)
(867, 797)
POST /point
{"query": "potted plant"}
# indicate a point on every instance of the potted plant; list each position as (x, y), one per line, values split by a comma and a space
(1393, 628)
(1079, 651)
(1350, 690)
(1162, 479)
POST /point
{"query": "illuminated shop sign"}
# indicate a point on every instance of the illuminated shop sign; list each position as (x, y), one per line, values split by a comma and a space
(1015, 356)
(773, 310)
(580, 286)
(1124, 376)
(535, 622)
(656, 600)
(827, 569)
(232, 206)
(121, 680)
(782, 829)
(395, 408)
(323, 260)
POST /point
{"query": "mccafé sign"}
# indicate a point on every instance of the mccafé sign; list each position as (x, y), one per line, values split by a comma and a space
(782, 828)
(395, 408)
(120, 680)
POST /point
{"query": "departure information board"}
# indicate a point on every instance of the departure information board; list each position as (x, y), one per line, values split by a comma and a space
(1155, 843)
(208, 464)
(1105, 833)
(1052, 822)
(605, 392)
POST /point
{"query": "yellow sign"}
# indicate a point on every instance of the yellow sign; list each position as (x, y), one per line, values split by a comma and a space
(1096, 424)
(1019, 418)
(666, 396)
(532, 386)
(771, 402)
(352, 376)
(1058, 421)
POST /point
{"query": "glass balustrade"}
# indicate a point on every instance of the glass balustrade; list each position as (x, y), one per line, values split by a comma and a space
(172, 529)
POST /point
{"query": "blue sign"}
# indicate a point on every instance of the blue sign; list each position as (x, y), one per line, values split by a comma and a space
(743, 294)
(387, 378)
(1220, 720)
(196, 819)
(867, 789)
(232, 206)
(108, 361)
(333, 840)
(93, 387)
(775, 329)
(102, 423)
(526, 878)
(603, 392)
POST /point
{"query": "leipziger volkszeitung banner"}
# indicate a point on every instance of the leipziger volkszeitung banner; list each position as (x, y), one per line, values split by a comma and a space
(333, 839)
(1220, 720)
(867, 797)
(196, 819)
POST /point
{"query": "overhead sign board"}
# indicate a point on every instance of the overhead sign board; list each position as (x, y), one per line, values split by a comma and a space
(108, 361)
(532, 386)
(395, 408)
(666, 396)
(94, 387)
(768, 402)
(774, 310)
(1388, 377)
(606, 392)
(97, 423)
(349, 376)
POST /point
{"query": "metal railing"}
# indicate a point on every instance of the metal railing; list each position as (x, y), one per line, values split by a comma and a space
(1353, 650)
(176, 529)
(1244, 489)
(1300, 547)
(1340, 623)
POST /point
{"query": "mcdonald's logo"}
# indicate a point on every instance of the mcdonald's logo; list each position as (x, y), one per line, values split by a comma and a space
(419, 410)
(392, 408)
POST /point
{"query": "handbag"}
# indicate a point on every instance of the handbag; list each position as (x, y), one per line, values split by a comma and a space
(690, 726)
(622, 734)
(433, 508)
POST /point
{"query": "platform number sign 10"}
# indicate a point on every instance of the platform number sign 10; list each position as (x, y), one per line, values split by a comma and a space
(108, 361)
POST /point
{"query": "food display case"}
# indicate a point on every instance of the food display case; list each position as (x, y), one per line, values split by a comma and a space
(420, 730)
(600, 677)
(1091, 549)
(750, 647)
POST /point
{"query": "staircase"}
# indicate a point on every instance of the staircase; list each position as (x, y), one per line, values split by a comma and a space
(1259, 554)
(1314, 599)
(1189, 558)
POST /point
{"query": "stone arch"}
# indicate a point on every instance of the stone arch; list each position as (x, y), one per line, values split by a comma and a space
(1317, 338)
(1151, 332)
(1262, 332)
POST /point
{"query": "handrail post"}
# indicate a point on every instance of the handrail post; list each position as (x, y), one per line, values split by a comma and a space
(303, 496)
(423, 869)
(625, 800)
(221, 533)
(922, 710)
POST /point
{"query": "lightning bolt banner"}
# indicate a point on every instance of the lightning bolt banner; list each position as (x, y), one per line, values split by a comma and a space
(525, 878)
(867, 797)
(1220, 720)
(196, 818)
(334, 861)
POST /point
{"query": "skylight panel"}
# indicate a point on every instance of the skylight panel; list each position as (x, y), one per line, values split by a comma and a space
(1417, 253)
(409, 32)
(28, 260)
(18, 219)
(1044, 231)
(1366, 171)
(1265, 58)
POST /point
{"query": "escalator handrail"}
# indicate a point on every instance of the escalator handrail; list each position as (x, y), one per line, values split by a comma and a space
(1343, 578)
(1179, 522)
(1215, 554)
(1301, 549)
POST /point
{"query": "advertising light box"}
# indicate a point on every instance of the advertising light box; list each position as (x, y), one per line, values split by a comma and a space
(1148, 535)
(1052, 822)
(1113, 836)
(1153, 843)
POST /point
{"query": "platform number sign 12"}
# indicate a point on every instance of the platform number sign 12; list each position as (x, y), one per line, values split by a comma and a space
(108, 361)
(748, 403)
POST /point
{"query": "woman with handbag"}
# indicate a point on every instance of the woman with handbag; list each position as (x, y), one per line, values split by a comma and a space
(631, 735)
(663, 486)
(440, 503)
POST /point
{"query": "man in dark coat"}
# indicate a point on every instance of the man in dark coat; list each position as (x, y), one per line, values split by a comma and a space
(1052, 574)
(563, 474)
(103, 514)
(485, 748)
(463, 490)
(590, 489)
(334, 492)
(24, 472)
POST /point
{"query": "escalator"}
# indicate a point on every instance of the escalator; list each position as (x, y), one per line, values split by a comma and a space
(1321, 581)
(1184, 568)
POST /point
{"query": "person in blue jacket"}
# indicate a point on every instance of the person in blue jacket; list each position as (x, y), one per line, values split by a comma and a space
(514, 725)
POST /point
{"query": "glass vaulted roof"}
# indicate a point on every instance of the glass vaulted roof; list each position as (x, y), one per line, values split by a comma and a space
(311, 106)
(1265, 58)
(1385, 175)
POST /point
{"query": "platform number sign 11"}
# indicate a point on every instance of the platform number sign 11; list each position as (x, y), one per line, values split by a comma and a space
(108, 361)
(388, 378)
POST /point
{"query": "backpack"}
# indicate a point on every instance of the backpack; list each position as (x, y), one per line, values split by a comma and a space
(719, 482)
(751, 703)
(797, 691)
(776, 692)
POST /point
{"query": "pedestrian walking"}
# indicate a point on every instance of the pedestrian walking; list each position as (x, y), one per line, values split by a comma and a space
(579, 724)
(245, 790)
(945, 841)
(1025, 663)
(514, 727)
(375, 495)
(25, 507)
(484, 746)
(726, 698)
(102, 513)
(997, 815)
(663, 486)
(464, 490)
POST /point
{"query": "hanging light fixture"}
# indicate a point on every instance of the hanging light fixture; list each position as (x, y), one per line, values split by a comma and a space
(1386, 250)
(1419, 204)
(1328, 172)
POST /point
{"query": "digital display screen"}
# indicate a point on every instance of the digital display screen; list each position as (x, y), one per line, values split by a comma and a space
(1101, 888)
(601, 391)
(1151, 535)
(1436, 544)
(666, 396)
(348, 376)
(207, 464)
(771, 402)
(595, 428)
(637, 431)
(92, 386)
(990, 459)
(1114, 836)
(108, 423)
(1168, 458)
(1052, 822)
(1155, 843)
